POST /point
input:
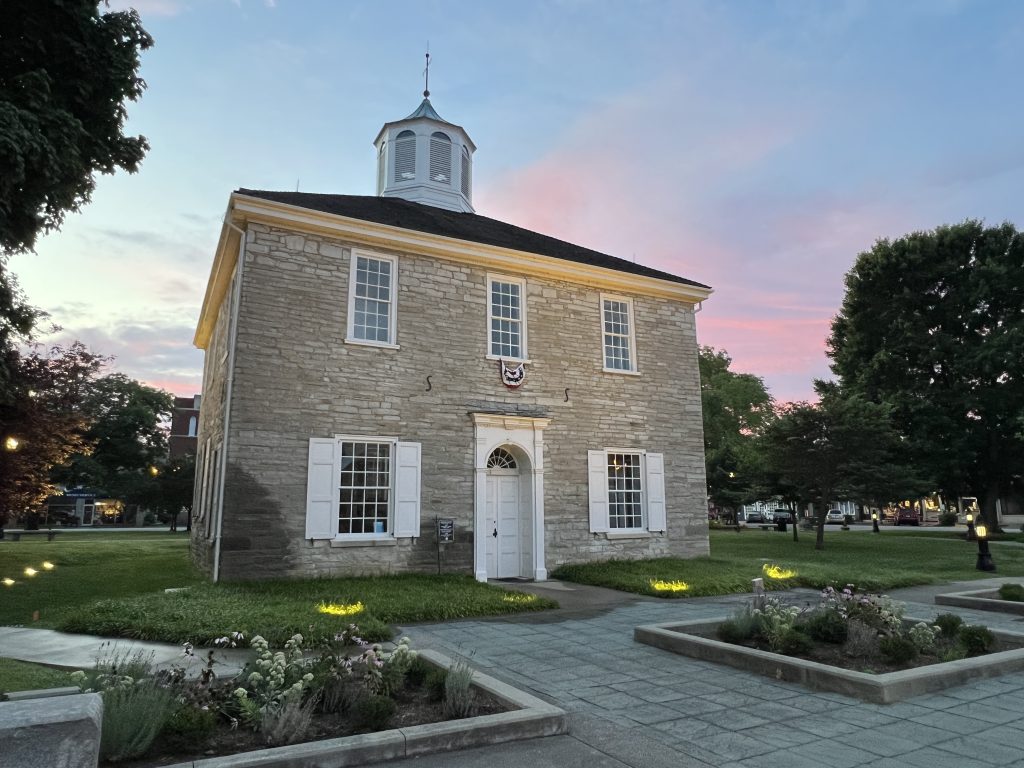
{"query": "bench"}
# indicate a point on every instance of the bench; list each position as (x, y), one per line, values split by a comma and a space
(16, 535)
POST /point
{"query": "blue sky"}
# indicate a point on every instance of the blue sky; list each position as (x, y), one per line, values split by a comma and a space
(757, 147)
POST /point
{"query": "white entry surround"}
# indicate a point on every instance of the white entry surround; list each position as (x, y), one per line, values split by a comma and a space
(524, 437)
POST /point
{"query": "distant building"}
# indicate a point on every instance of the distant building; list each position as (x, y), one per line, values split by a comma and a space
(184, 426)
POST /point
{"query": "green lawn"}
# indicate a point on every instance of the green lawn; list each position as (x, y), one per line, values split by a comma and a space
(88, 566)
(23, 676)
(113, 585)
(871, 562)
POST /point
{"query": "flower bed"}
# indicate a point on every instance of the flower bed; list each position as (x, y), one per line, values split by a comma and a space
(290, 707)
(860, 645)
(1002, 600)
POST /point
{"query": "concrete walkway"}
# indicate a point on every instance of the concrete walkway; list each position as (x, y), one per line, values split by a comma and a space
(638, 707)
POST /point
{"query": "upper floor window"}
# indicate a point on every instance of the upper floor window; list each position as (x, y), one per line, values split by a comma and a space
(440, 158)
(193, 423)
(405, 156)
(506, 318)
(371, 299)
(617, 331)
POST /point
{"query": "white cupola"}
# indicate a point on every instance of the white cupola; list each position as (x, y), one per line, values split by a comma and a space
(426, 159)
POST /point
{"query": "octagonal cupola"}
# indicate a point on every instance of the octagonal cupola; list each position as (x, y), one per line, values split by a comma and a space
(426, 159)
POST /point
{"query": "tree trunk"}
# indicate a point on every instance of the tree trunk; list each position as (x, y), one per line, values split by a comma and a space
(988, 505)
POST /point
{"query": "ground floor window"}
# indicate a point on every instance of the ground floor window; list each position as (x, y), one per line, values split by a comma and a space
(625, 491)
(364, 504)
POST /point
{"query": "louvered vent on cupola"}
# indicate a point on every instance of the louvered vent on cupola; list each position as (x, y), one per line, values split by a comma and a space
(382, 165)
(440, 158)
(405, 156)
(465, 172)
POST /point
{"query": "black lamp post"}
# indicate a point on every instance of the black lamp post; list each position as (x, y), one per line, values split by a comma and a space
(984, 556)
(971, 534)
(874, 522)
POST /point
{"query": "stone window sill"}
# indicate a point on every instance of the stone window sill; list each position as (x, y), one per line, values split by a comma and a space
(613, 536)
(388, 542)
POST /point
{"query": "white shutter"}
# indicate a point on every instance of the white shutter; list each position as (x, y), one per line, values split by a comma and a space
(597, 466)
(407, 490)
(656, 492)
(321, 512)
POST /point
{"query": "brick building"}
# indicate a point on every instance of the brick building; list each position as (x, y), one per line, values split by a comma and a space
(183, 439)
(374, 364)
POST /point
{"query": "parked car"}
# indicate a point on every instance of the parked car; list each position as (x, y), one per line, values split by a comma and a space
(834, 516)
(907, 516)
(782, 516)
(754, 517)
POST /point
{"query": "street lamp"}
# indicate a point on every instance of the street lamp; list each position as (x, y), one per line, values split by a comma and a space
(984, 556)
(971, 534)
(874, 522)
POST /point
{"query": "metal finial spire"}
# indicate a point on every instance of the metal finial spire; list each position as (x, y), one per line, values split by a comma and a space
(426, 76)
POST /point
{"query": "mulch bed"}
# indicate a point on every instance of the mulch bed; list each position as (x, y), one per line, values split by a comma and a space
(416, 706)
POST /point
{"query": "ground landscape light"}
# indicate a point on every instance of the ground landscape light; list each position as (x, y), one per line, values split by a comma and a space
(11, 443)
(31, 571)
(336, 609)
(669, 586)
(48, 565)
(8, 582)
(777, 572)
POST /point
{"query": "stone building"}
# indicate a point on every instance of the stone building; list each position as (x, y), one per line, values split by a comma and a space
(380, 368)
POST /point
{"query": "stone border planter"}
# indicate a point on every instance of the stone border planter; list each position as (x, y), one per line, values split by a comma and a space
(981, 600)
(680, 637)
(531, 718)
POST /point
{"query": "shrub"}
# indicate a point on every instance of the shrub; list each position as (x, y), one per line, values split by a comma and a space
(741, 626)
(1013, 592)
(373, 712)
(133, 715)
(898, 649)
(435, 683)
(793, 642)
(861, 639)
(954, 653)
(775, 620)
(827, 626)
(975, 641)
(947, 518)
(458, 691)
(271, 680)
(949, 624)
(923, 636)
(418, 672)
(190, 727)
(290, 722)
(338, 694)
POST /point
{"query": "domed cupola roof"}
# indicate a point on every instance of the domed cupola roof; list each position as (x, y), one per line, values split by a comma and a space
(426, 159)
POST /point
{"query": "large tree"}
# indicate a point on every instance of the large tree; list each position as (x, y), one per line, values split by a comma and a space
(933, 324)
(66, 73)
(840, 447)
(128, 432)
(736, 408)
(43, 424)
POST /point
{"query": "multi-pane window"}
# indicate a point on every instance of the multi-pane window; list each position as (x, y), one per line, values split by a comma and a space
(365, 488)
(372, 297)
(507, 322)
(618, 334)
(625, 491)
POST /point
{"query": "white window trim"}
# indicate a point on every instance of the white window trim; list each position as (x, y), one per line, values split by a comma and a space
(367, 537)
(642, 529)
(493, 277)
(392, 342)
(635, 369)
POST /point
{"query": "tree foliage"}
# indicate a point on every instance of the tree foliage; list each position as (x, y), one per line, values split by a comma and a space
(736, 408)
(44, 423)
(129, 437)
(933, 324)
(844, 446)
(66, 73)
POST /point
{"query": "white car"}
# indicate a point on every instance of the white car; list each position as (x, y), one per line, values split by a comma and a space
(834, 516)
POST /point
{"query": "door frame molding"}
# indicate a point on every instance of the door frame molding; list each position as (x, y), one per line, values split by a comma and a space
(527, 434)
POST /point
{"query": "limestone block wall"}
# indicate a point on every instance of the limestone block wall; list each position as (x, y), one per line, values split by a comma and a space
(296, 378)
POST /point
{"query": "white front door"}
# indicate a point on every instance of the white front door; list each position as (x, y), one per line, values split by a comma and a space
(502, 516)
